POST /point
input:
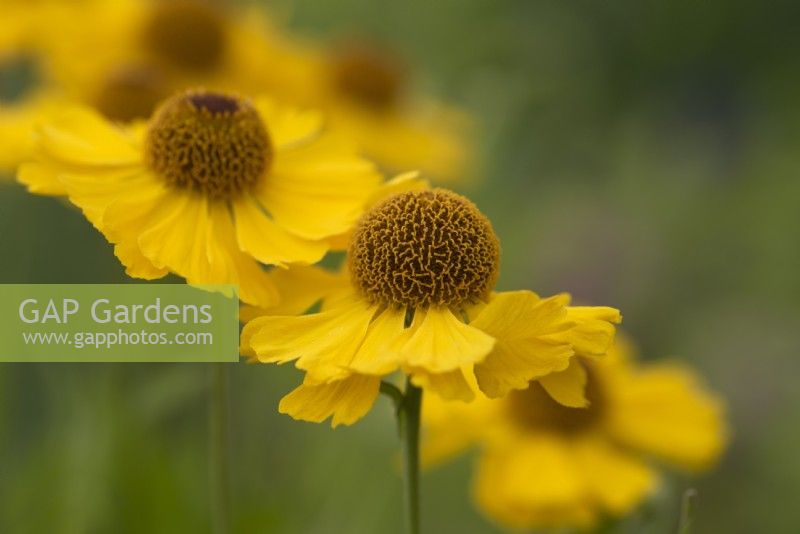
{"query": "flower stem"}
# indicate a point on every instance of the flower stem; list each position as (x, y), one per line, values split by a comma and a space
(687, 511)
(397, 397)
(409, 434)
(219, 453)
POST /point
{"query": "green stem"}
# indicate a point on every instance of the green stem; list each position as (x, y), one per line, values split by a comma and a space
(219, 453)
(687, 511)
(397, 397)
(409, 433)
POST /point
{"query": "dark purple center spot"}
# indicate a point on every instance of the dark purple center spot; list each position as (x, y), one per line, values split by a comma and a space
(214, 102)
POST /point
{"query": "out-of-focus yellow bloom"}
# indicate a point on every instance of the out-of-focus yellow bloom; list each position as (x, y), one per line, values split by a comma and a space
(210, 187)
(26, 92)
(366, 91)
(543, 464)
(124, 56)
(421, 266)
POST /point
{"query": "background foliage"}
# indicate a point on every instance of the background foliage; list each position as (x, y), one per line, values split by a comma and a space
(638, 154)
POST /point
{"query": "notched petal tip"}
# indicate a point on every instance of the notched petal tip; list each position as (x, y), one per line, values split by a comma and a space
(345, 401)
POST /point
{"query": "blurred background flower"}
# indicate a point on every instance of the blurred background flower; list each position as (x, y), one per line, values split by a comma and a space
(659, 141)
(546, 465)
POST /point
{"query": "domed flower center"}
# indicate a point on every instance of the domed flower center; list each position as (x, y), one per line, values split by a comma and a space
(368, 77)
(130, 93)
(187, 34)
(534, 409)
(424, 248)
(208, 142)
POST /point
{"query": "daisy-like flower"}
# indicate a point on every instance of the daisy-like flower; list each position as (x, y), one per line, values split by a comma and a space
(365, 88)
(543, 464)
(210, 187)
(422, 265)
(136, 52)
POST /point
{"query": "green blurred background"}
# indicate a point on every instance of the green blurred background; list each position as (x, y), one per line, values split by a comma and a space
(636, 153)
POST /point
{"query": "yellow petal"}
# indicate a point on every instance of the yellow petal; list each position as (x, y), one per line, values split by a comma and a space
(340, 242)
(254, 286)
(95, 193)
(17, 126)
(176, 236)
(451, 427)
(433, 142)
(182, 233)
(408, 181)
(118, 203)
(567, 387)
(136, 265)
(251, 328)
(317, 191)
(323, 343)
(443, 343)
(381, 352)
(521, 322)
(664, 410)
(618, 481)
(451, 385)
(195, 239)
(231, 266)
(260, 237)
(533, 482)
(595, 313)
(623, 353)
(593, 333)
(347, 400)
(288, 126)
(300, 287)
(522, 314)
(175, 231)
(81, 136)
(41, 178)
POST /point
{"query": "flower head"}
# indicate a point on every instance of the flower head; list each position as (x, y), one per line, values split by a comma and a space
(211, 143)
(368, 77)
(129, 92)
(422, 266)
(212, 185)
(186, 34)
(424, 248)
(543, 464)
(150, 49)
(368, 92)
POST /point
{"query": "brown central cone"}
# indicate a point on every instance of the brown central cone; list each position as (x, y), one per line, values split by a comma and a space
(212, 143)
(535, 409)
(187, 34)
(424, 248)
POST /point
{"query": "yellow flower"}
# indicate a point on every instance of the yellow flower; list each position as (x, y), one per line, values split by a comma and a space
(366, 91)
(134, 53)
(546, 465)
(422, 266)
(210, 187)
(26, 94)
